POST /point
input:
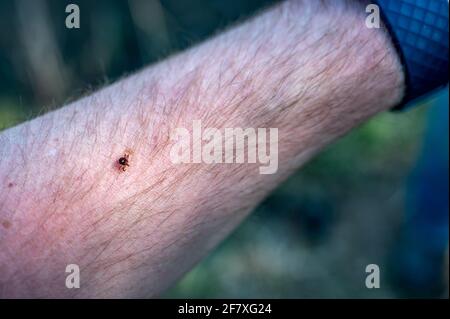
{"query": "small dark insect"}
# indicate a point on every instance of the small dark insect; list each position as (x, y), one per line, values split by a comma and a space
(124, 162)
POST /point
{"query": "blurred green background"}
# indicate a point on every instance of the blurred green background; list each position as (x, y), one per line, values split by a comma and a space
(314, 236)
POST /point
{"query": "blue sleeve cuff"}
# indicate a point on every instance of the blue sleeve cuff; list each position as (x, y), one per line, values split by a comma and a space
(419, 29)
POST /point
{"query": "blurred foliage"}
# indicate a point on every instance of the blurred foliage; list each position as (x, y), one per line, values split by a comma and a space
(313, 236)
(116, 37)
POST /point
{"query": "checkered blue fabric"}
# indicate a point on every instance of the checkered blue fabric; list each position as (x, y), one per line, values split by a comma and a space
(420, 31)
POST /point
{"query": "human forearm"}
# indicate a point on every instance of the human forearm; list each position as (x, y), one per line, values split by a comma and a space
(313, 71)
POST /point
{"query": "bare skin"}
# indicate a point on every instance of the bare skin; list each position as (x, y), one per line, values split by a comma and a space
(309, 68)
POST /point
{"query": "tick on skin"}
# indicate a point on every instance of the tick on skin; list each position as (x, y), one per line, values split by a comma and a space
(124, 162)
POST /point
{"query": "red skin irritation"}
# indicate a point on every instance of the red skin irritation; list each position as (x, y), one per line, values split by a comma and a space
(6, 224)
